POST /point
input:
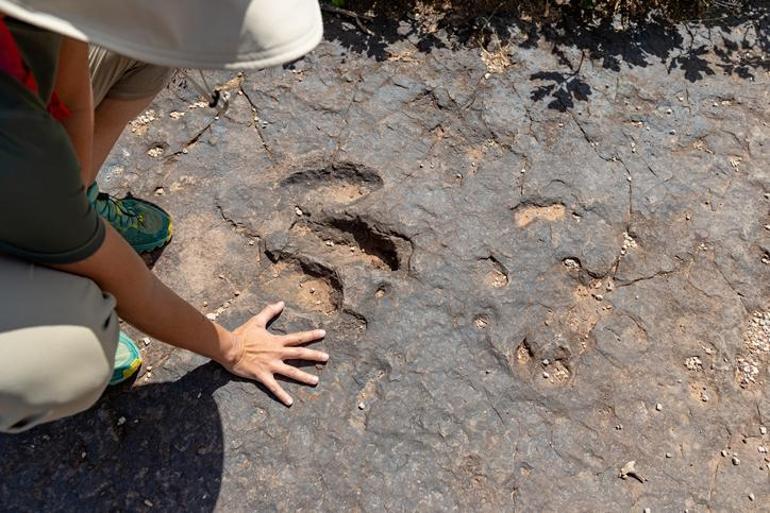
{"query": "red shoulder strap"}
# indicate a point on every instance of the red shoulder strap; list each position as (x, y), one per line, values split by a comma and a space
(12, 63)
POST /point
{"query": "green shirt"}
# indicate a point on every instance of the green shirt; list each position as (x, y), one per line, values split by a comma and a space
(44, 214)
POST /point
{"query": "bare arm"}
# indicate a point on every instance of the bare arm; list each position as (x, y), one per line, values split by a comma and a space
(73, 85)
(145, 302)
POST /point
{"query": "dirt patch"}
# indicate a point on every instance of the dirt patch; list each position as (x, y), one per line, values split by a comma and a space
(588, 307)
(524, 353)
(753, 359)
(525, 215)
(492, 273)
(305, 289)
(352, 241)
(342, 182)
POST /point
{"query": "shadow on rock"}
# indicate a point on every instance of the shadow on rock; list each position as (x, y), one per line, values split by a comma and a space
(723, 41)
(156, 448)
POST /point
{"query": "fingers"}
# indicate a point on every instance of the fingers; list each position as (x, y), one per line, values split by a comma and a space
(276, 389)
(301, 353)
(296, 374)
(303, 337)
(268, 313)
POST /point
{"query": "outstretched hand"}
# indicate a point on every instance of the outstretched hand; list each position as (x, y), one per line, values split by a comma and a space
(261, 355)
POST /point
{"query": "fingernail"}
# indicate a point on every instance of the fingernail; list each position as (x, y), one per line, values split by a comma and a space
(290, 402)
(280, 304)
(325, 357)
(321, 333)
(315, 380)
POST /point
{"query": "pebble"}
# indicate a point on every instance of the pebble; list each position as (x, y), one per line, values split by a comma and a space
(251, 243)
(221, 276)
(762, 430)
(237, 293)
(121, 421)
(669, 455)
(211, 316)
(672, 132)
(669, 111)
(647, 510)
(546, 362)
(298, 211)
(205, 304)
(146, 341)
(723, 452)
(546, 375)
(736, 461)
(658, 406)
(362, 405)
(751, 497)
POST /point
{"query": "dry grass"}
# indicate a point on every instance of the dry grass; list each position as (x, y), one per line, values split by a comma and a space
(541, 10)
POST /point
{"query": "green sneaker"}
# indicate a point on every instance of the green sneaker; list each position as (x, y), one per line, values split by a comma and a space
(127, 360)
(144, 225)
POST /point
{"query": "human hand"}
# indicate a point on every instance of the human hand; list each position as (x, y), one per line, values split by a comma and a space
(259, 355)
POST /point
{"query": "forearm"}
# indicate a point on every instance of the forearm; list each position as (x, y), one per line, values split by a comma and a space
(146, 303)
(73, 85)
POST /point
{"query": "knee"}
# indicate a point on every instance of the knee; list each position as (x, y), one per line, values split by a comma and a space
(50, 372)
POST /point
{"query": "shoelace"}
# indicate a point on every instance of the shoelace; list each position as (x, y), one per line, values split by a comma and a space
(115, 212)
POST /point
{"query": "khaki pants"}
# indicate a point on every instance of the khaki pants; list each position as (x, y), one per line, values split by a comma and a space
(58, 335)
(59, 331)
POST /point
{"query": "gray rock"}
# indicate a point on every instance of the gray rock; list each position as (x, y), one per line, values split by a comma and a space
(452, 276)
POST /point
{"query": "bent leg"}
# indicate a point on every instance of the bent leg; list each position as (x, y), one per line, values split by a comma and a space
(58, 335)
(123, 88)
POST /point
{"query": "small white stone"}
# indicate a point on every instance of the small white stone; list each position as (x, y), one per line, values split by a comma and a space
(723, 452)
(298, 211)
(362, 405)
(762, 430)
(121, 421)
(736, 461)
(647, 510)
(146, 341)
(546, 362)
(546, 375)
(658, 406)
(669, 455)
(751, 497)
(211, 316)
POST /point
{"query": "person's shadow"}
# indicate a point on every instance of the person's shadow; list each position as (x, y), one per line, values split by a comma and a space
(158, 448)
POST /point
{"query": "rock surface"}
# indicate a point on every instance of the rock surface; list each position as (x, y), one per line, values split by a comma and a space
(536, 265)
